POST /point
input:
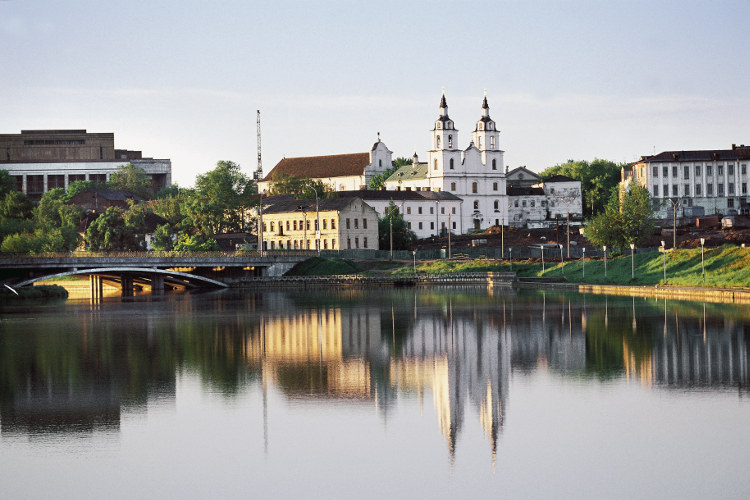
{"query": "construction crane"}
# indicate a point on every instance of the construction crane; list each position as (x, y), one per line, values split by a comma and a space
(258, 175)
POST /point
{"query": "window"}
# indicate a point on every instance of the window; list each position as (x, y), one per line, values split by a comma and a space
(730, 203)
(492, 141)
(474, 187)
(55, 181)
(273, 245)
(674, 170)
(434, 167)
(731, 188)
(532, 203)
(515, 203)
(450, 164)
(665, 171)
(523, 203)
(551, 203)
(551, 190)
(709, 189)
(656, 171)
(348, 243)
(273, 227)
(697, 170)
(317, 225)
(730, 169)
(454, 225)
(687, 189)
(364, 223)
(686, 172)
(453, 186)
(720, 189)
(333, 224)
(380, 163)
(453, 210)
(432, 225)
(544, 203)
(709, 170)
(720, 169)
(408, 210)
(656, 190)
(743, 187)
(356, 223)
(674, 189)
(494, 186)
(432, 210)
(364, 242)
(743, 169)
(333, 243)
(347, 223)
(476, 205)
(264, 227)
(497, 205)
(437, 141)
(325, 244)
(450, 145)
(295, 225)
(442, 210)
(494, 164)
(356, 242)
(325, 224)
(697, 190)
(419, 210)
(307, 225)
(420, 225)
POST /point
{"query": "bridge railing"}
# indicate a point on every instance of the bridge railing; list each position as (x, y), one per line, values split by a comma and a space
(214, 254)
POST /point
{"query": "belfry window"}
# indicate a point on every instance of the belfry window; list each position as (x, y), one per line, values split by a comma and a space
(450, 141)
(494, 164)
(437, 142)
(492, 142)
(451, 164)
(434, 166)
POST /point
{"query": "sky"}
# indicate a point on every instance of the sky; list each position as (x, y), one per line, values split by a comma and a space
(565, 79)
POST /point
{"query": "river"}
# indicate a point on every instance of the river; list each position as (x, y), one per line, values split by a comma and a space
(371, 393)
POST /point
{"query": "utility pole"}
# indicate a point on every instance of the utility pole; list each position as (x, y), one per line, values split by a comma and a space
(258, 175)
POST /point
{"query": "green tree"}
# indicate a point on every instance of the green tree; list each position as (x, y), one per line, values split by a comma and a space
(300, 188)
(162, 240)
(133, 179)
(15, 205)
(597, 179)
(78, 187)
(195, 243)
(113, 230)
(378, 181)
(624, 221)
(403, 237)
(7, 183)
(220, 200)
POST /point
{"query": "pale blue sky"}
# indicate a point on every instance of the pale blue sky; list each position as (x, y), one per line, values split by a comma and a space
(567, 79)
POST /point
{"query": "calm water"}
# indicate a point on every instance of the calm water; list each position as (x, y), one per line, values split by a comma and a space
(453, 392)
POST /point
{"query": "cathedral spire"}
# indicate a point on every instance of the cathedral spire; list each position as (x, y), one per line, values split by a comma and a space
(443, 105)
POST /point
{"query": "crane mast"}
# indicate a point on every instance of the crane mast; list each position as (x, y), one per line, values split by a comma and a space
(258, 175)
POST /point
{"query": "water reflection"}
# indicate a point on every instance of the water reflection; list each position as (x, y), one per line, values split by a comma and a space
(76, 368)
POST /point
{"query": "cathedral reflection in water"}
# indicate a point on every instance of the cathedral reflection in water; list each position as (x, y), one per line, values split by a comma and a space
(77, 372)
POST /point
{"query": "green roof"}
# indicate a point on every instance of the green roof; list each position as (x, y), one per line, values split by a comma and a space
(409, 173)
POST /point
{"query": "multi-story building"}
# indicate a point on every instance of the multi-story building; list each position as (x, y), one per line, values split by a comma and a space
(41, 160)
(345, 172)
(698, 182)
(340, 223)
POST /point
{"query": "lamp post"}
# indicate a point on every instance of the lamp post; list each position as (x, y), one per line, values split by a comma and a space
(703, 267)
(260, 225)
(632, 261)
(583, 261)
(664, 251)
(510, 258)
(390, 226)
(605, 261)
(562, 259)
(675, 206)
(502, 236)
(449, 233)
(541, 247)
(317, 218)
(414, 254)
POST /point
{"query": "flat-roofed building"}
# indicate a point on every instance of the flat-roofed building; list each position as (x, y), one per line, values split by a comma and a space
(41, 160)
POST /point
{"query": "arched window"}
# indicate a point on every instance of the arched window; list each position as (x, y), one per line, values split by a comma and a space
(450, 141)
(435, 164)
(492, 142)
(494, 164)
(437, 142)
(380, 163)
(481, 126)
(451, 164)
(474, 187)
(480, 143)
(476, 205)
(497, 205)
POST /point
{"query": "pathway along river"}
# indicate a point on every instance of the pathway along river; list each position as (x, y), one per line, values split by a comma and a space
(361, 393)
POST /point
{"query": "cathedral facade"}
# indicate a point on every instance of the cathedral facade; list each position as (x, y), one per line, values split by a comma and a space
(475, 174)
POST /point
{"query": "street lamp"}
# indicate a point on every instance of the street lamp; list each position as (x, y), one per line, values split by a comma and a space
(317, 217)
(583, 261)
(390, 226)
(510, 258)
(664, 251)
(703, 267)
(414, 254)
(562, 259)
(541, 247)
(605, 261)
(632, 261)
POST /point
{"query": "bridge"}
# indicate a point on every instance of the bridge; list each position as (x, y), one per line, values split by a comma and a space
(144, 270)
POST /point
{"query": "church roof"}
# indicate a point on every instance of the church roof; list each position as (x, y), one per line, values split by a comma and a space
(522, 170)
(408, 173)
(316, 167)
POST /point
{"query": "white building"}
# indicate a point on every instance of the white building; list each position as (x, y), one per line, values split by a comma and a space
(704, 181)
(476, 174)
(345, 172)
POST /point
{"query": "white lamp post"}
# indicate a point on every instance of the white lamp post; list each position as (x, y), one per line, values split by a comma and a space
(541, 247)
(664, 251)
(703, 267)
(562, 259)
(583, 261)
(605, 261)
(414, 254)
(632, 261)
(510, 257)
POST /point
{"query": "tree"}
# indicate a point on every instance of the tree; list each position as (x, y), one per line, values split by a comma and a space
(7, 183)
(378, 181)
(195, 243)
(626, 221)
(300, 188)
(403, 237)
(163, 238)
(220, 200)
(15, 205)
(132, 179)
(113, 231)
(597, 179)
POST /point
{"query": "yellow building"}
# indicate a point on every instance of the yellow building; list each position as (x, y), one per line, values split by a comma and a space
(340, 223)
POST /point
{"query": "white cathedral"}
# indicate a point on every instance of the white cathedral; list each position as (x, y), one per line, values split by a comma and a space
(476, 174)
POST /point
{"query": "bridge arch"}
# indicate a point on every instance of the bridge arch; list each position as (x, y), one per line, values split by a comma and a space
(185, 279)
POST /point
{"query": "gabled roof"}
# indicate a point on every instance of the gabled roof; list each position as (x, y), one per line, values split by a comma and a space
(318, 167)
(409, 173)
(523, 170)
(736, 153)
(293, 205)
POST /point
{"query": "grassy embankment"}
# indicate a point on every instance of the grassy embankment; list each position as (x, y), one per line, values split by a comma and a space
(726, 267)
(33, 292)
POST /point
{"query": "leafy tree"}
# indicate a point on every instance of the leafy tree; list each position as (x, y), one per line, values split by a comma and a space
(626, 221)
(303, 189)
(7, 183)
(15, 205)
(220, 200)
(21, 243)
(113, 230)
(195, 243)
(162, 240)
(403, 237)
(597, 179)
(168, 192)
(378, 182)
(133, 179)
(78, 187)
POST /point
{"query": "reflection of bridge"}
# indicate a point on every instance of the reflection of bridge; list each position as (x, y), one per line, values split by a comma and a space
(157, 273)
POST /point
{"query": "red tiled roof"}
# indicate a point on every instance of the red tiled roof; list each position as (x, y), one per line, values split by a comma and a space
(316, 167)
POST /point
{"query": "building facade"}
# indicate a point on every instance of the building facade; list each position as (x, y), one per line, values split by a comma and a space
(345, 172)
(341, 223)
(41, 160)
(697, 182)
